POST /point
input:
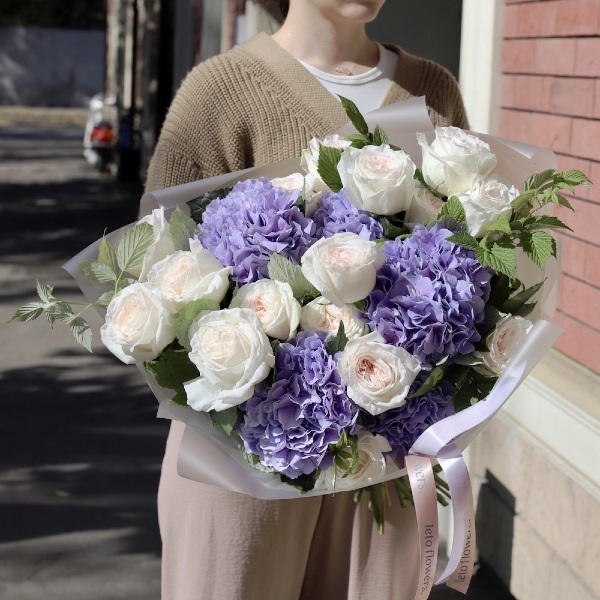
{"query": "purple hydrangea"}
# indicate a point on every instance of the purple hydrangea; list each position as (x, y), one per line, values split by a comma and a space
(402, 426)
(429, 296)
(336, 214)
(290, 424)
(251, 223)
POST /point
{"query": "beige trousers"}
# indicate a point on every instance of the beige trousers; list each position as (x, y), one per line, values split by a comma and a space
(221, 545)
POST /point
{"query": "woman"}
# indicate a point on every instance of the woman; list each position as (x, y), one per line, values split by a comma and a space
(259, 103)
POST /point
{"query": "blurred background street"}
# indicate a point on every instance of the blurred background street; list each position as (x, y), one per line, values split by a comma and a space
(80, 446)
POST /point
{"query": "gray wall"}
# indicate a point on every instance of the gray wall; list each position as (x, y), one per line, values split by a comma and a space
(50, 67)
(429, 28)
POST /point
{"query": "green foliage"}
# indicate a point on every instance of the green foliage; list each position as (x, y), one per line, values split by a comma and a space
(282, 269)
(327, 167)
(133, 245)
(355, 116)
(338, 342)
(181, 228)
(198, 205)
(453, 209)
(345, 456)
(172, 368)
(225, 419)
(303, 483)
(182, 319)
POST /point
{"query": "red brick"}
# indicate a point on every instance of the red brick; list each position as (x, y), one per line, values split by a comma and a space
(518, 56)
(591, 272)
(572, 96)
(510, 25)
(537, 19)
(573, 254)
(580, 301)
(507, 90)
(530, 92)
(584, 220)
(577, 17)
(587, 57)
(548, 131)
(579, 342)
(585, 139)
(597, 99)
(555, 56)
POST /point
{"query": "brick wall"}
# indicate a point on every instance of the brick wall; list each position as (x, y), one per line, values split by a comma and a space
(550, 96)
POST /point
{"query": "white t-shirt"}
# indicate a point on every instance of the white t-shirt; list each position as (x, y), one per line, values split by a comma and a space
(366, 90)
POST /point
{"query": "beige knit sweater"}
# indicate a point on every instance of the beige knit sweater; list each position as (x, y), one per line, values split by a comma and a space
(256, 104)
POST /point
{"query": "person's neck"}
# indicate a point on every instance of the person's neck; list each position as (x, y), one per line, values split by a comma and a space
(328, 46)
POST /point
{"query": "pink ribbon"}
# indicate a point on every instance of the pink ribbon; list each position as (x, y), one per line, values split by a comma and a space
(442, 442)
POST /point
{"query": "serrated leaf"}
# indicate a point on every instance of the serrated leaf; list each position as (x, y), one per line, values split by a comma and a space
(539, 246)
(464, 239)
(44, 292)
(282, 269)
(432, 381)
(392, 230)
(537, 180)
(105, 298)
(107, 254)
(225, 419)
(499, 258)
(544, 222)
(198, 205)
(338, 342)
(172, 369)
(58, 311)
(500, 225)
(380, 137)
(327, 167)
(575, 177)
(514, 303)
(355, 116)
(454, 209)
(182, 319)
(181, 228)
(562, 201)
(133, 245)
(28, 312)
(98, 271)
(81, 332)
(358, 140)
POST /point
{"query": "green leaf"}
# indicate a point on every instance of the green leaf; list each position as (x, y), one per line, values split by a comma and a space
(225, 419)
(327, 167)
(198, 205)
(180, 399)
(105, 298)
(28, 312)
(433, 380)
(45, 292)
(338, 342)
(575, 177)
(181, 228)
(453, 209)
(303, 483)
(465, 396)
(172, 368)
(537, 180)
(539, 246)
(133, 245)
(98, 271)
(517, 301)
(355, 116)
(418, 176)
(499, 258)
(562, 201)
(182, 319)
(81, 332)
(464, 239)
(58, 310)
(500, 225)
(544, 222)
(391, 229)
(282, 269)
(502, 288)
(107, 254)
(358, 140)
(380, 137)
(523, 203)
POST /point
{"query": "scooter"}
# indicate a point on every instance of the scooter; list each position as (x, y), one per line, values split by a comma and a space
(99, 137)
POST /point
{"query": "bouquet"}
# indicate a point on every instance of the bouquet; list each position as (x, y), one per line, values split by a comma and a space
(317, 326)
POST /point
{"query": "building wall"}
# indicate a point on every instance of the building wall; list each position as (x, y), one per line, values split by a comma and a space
(550, 96)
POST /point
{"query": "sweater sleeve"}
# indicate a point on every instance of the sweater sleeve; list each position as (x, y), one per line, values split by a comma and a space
(201, 135)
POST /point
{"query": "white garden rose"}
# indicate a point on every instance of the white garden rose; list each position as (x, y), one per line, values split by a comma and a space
(504, 342)
(321, 315)
(455, 160)
(370, 468)
(137, 325)
(343, 267)
(378, 179)
(425, 206)
(296, 182)
(274, 304)
(160, 248)
(485, 202)
(377, 375)
(190, 275)
(232, 353)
